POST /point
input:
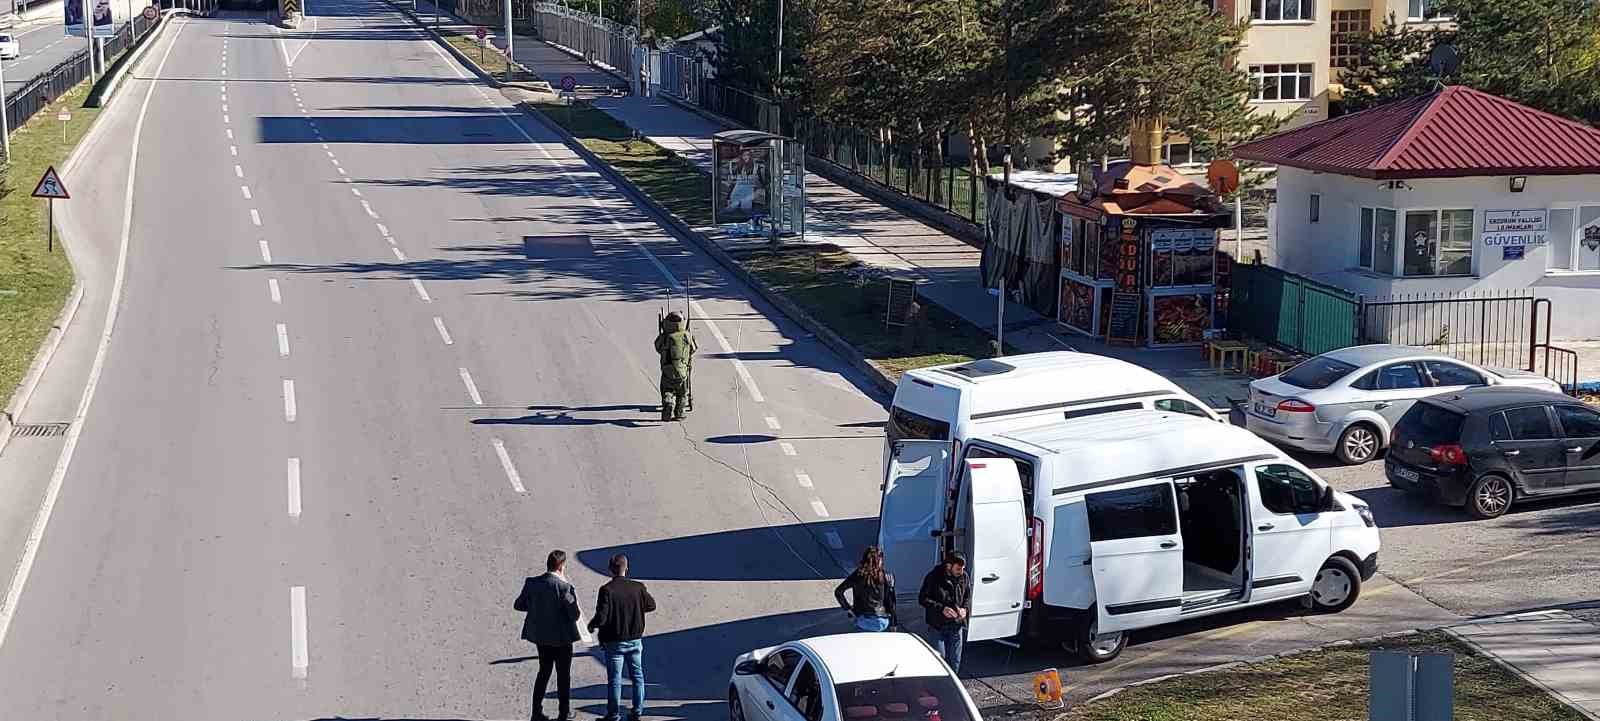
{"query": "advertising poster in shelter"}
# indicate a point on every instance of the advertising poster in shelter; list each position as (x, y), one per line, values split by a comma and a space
(742, 179)
(103, 21)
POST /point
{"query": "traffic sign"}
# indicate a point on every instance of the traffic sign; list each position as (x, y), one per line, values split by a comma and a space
(482, 32)
(64, 115)
(50, 186)
(150, 12)
(569, 83)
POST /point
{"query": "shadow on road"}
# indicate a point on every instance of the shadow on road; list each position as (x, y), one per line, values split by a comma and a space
(793, 552)
(625, 416)
(1394, 508)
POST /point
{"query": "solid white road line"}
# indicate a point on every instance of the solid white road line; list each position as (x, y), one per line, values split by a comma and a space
(255, 217)
(272, 288)
(444, 335)
(239, 171)
(472, 388)
(299, 656)
(288, 400)
(788, 448)
(773, 423)
(283, 340)
(245, 190)
(834, 542)
(421, 292)
(383, 230)
(41, 520)
(803, 479)
(819, 509)
(266, 253)
(397, 254)
(294, 488)
(505, 462)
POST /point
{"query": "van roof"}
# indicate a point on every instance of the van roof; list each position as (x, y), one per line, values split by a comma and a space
(1140, 443)
(1102, 376)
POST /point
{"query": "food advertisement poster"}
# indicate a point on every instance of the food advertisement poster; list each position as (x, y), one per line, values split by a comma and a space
(1077, 305)
(1180, 318)
(1182, 257)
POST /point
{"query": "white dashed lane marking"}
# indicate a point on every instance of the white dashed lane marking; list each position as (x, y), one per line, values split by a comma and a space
(819, 509)
(505, 462)
(288, 400)
(294, 487)
(803, 479)
(472, 388)
(788, 448)
(444, 335)
(283, 340)
(773, 423)
(266, 253)
(421, 292)
(272, 289)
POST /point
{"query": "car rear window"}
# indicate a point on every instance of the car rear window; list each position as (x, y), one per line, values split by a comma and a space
(1319, 372)
(1429, 425)
(905, 425)
(908, 698)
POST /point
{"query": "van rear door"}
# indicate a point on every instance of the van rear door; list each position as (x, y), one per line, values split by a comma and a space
(995, 533)
(911, 517)
(1137, 554)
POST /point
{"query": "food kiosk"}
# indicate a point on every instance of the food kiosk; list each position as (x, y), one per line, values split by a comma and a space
(1139, 257)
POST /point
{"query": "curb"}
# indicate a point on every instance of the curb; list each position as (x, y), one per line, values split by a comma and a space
(101, 93)
(682, 231)
(1507, 665)
(69, 312)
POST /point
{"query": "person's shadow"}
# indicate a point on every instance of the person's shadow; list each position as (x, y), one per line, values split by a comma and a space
(578, 416)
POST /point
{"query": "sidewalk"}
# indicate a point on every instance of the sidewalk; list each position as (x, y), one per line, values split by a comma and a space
(872, 232)
(1551, 649)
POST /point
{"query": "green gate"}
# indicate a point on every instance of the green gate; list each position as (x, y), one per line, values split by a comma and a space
(1291, 310)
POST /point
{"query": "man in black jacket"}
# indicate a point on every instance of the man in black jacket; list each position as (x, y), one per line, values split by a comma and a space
(945, 597)
(619, 619)
(552, 625)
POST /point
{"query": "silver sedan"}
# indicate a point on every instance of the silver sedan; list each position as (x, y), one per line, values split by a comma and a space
(1346, 402)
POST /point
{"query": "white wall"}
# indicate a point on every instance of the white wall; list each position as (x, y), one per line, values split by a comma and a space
(1328, 250)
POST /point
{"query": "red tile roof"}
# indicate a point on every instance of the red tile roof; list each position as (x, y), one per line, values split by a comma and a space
(1451, 133)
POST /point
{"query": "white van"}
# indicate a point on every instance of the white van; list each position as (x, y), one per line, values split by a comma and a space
(1086, 529)
(955, 402)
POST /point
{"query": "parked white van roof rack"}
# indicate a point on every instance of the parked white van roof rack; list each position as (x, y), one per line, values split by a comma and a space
(1144, 444)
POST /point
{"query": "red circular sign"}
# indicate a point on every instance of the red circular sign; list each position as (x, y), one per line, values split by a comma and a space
(483, 33)
(150, 12)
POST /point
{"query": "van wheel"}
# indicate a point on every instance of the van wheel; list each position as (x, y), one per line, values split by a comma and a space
(1358, 444)
(1336, 587)
(1489, 497)
(1102, 649)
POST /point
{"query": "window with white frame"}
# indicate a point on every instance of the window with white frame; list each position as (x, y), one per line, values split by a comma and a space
(1286, 81)
(1437, 242)
(1575, 238)
(1420, 10)
(1375, 251)
(1282, 10)
(1183, 154)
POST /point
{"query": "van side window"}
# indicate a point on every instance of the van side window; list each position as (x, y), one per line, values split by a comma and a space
(1285, 490)
(1132, 513)
(1024, 472)
(907, 426)
(1097, 410)
(1179, 405)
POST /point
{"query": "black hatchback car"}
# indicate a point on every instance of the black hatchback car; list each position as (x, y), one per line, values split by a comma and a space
(1484, 448)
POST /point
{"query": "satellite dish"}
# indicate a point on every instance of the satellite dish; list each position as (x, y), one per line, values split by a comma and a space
(1444, 61)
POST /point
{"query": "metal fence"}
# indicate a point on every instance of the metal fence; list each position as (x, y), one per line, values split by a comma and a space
(1292, 311)
(1493, 328)
(55, 82)
(678, 75)
(945, 182)
(607, 44)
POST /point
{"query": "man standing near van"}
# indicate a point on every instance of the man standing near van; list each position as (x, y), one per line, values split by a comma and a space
(619, 617)
(944, 598)
(552, 625)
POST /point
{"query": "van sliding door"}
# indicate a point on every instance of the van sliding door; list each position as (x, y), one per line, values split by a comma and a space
(1137, 554)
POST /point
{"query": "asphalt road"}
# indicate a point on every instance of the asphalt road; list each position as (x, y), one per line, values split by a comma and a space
(462, 401)
(383, 342)
(44, 44)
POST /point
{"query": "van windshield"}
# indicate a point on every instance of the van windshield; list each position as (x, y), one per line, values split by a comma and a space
(907, 426)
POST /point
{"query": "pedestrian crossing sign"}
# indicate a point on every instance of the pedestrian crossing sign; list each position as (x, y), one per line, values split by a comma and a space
(50, 186)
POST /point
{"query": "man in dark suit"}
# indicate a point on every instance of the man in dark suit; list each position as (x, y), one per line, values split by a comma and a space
(552, 625)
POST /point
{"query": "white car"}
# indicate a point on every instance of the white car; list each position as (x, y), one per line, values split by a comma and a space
(1346, 401)
(848, 677)
(9, 47)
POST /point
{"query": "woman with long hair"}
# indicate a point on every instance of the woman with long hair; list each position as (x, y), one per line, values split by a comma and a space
(871, 588)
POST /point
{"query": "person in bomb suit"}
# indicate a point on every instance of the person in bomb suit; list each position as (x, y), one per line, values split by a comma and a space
(676, 347)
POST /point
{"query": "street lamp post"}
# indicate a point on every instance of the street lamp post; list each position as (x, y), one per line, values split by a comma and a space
(777, 76)
(509, 40)
(5, 125)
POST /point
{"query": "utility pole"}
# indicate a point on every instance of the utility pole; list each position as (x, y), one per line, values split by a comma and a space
(88, 36)
(5, 126)
(777, 77)
(1005, 11)
(510, 58)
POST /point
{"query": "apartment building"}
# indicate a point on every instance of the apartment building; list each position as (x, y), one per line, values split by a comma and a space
(1295, 49)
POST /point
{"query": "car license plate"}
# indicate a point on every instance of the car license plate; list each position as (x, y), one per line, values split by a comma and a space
(1266, 409)
(1407, 474)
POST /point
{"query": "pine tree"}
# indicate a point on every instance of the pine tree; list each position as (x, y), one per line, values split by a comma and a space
(1392, 64)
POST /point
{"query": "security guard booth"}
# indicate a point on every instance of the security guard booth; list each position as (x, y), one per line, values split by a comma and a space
(758, 178)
